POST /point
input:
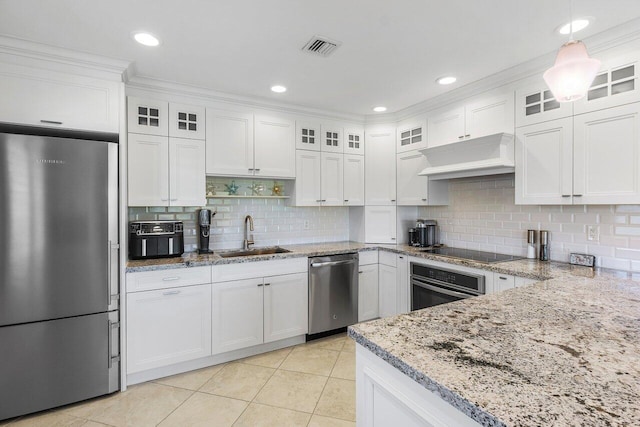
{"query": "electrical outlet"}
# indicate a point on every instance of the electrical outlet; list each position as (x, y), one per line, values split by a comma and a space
(593, 233)
(306, 224)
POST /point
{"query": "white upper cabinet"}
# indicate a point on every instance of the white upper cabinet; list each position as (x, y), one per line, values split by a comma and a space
(186, 121)
(148, 116)
(229, 143)
(308, 136)
(308, 178)
(411, 135)
(331, 134)
(445, 126)
(616, 84)
(274, 147)
(353, 140)
(536, 104)
(606, 152)
(165, 171)
(319, 179)
(487, 114)
(148, 166)
(332, 177)
(412, 188)
(380, 169)
(544, 163)
(353, 180)
(593, 158)
(47, 98)
(187, 179)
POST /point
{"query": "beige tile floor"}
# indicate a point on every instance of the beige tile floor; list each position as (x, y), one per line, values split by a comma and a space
(312, 384)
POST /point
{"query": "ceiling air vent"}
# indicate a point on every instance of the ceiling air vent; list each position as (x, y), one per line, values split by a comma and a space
(321, 46)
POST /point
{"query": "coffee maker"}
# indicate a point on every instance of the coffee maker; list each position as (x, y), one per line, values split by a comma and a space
(204, 221)
(425, 234)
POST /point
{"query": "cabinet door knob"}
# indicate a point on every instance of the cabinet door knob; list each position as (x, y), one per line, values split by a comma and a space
(360, 272)
(461, 137)
(424, 200)
(393, 238)
(467, 136)
(251, 169)
(502, 278)
(577, 195)
(257, 170)
(260, 285)
(566, 195)
(267, 284)
(346, 200)
(393, 200)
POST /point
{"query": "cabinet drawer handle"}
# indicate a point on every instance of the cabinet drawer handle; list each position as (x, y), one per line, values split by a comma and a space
(461, 137)
(267, 284)
(502, 278)
(51, 122)
(171, 293)
(260, 285)
(467, 136)
(170, 279)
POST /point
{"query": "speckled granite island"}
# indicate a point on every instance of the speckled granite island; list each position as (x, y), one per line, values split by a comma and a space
(561, 352)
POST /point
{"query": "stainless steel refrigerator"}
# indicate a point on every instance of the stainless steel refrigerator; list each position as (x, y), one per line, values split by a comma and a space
(59, 322)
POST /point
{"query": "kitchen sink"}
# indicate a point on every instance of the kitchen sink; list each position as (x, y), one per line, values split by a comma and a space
(256, 251)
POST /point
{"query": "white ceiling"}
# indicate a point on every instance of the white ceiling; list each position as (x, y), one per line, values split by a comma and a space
(391, 55)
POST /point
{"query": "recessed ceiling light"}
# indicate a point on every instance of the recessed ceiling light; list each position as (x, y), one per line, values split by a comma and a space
(446, 80)
(578, 24)
(278, 89)
(146, 39)
(380, 109)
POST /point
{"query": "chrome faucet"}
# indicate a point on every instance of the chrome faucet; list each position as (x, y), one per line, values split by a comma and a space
(246, 242)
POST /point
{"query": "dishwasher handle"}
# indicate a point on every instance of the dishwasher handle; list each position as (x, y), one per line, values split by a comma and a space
(330, 263)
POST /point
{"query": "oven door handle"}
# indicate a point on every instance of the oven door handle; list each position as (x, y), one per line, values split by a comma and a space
(441, 290)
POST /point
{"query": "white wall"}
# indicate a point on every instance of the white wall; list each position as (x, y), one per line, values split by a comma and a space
(482, 216)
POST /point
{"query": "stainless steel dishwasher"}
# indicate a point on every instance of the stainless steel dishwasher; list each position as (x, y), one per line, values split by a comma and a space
(333, 292)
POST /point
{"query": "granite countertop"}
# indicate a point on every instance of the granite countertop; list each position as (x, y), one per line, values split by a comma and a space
(193, 259)
(564, 351)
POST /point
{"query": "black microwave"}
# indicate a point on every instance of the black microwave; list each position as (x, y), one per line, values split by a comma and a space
(155, 239)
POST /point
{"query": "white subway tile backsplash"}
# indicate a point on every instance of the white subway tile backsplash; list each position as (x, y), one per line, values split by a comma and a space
(491, 199)
(275, 223)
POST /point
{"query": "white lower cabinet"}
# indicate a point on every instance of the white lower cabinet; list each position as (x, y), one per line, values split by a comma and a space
(168, 326)
(255, 311)
(387, 290)
(404, 286)
(502, 282)
(237, 313)
(367, 292)
(387, 397)
(285, 306)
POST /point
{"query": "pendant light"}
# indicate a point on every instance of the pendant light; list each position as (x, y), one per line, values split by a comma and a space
(573, 72)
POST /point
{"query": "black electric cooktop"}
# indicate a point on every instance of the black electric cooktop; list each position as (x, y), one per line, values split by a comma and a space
(479, 256)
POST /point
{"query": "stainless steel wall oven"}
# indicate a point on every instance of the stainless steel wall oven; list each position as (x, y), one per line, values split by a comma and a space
(431, 286)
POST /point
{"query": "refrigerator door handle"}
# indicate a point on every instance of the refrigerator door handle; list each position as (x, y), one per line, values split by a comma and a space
(112, 358)
(112, 276)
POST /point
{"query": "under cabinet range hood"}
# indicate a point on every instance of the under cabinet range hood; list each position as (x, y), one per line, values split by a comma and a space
(487, 155)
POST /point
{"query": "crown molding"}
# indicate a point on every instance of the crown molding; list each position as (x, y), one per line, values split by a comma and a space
(204, 96)
(43, 55)
(598, 43)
